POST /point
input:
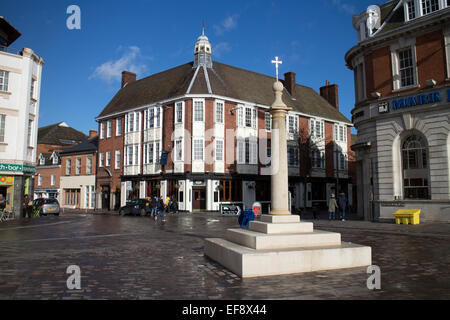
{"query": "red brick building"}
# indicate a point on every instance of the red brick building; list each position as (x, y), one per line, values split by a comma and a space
(78, 174)
(200, 133)
(402, 72)
(51, 141)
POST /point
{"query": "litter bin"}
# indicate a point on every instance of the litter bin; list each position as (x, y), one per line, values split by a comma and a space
(245, 217)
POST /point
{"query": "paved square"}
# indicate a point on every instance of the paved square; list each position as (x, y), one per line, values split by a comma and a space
(138, 258)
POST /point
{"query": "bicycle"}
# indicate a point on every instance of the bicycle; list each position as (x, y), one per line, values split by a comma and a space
(6, 215)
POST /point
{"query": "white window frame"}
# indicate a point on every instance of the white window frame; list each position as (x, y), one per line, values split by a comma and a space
(248, 117)
(296, 162)
(101, 159)
(220, 114)
(294, 123)
(30, 133)
(219, 150)
(240, 151)
(89, 165)
(151, 152)
(41, 159)
(39, 180)
(313, 123)
(395, 48)
(194, 150)
(338, 130)
(117, 158)
(78, 166)
(179, 147)
(109, 129)
(360, 79)
(317, 155)
(136, 158)
(55, 159)
(4, 80)
(179, 104)
(158, 116)
(68, 166)
(52, 180)
(102, 130)
(108, 159)
(195, 110)
(118, 127)
(447, 48)
(240, 116)
(2, 127)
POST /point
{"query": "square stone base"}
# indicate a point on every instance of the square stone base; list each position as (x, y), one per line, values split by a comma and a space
(277, 246)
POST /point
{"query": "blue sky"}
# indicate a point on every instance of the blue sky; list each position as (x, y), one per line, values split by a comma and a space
(83, 67)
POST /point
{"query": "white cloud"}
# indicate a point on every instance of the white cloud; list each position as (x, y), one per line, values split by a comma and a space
(228, 24)
(219, 49)
(111, 71)
(347, 8)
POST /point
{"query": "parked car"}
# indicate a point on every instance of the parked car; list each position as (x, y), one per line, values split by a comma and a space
(136, 207)
(46, 206)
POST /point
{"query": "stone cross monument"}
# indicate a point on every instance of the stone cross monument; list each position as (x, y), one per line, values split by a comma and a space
(279, 179)
(280, 243)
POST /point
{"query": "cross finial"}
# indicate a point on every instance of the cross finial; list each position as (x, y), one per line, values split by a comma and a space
(277, 62)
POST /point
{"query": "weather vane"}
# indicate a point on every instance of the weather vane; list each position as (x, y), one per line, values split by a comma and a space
(277, 62)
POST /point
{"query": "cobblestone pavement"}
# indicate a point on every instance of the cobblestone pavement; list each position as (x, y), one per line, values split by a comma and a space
(139, 258)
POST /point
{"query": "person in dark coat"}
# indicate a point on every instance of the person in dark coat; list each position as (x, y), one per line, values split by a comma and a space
(342, 202)
(161, 209)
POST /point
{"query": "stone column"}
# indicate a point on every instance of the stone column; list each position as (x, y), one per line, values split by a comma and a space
(280, 185)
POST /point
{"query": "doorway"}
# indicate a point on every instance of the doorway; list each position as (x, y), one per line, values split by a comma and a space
(199, 199)
(105, 197)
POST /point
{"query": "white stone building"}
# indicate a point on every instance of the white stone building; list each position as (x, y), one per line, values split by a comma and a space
(20, 85)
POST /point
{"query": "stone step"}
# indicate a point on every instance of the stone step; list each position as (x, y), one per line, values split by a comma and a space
(281, 228)
(263, 241)
(280, 219)
(246, 262)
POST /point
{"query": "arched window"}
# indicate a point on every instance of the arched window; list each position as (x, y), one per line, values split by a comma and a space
(415, 168)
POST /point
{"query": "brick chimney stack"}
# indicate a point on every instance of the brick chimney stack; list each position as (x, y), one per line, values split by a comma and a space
(128, 77)
(330, 93)
(289, 83)
(92, 133)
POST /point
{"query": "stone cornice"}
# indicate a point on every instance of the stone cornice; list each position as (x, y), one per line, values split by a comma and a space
(411, 27)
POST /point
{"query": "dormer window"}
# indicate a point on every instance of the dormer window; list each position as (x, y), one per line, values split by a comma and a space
(429, 6)
(55, 159)
(411, 9)
(41, 159)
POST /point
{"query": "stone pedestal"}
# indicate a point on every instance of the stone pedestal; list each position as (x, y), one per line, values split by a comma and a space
(279, 245)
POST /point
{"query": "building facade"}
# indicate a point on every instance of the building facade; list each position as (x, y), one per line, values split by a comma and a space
(402, 90)
(52, 140)
(78, 175)
(200, 133)
(20, 85)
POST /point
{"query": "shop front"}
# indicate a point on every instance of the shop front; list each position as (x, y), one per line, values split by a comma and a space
(16, 181)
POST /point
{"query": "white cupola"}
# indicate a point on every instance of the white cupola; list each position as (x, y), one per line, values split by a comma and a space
(202, 51)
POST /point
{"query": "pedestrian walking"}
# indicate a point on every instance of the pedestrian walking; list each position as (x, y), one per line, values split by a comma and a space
(332, 205)
(342, 201)
(27, 207)
(161, 209)
(154, 204)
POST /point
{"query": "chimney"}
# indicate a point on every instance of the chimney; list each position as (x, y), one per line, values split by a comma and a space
(92, 133)
(128, 77)
(289, 83)
(330, 93)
